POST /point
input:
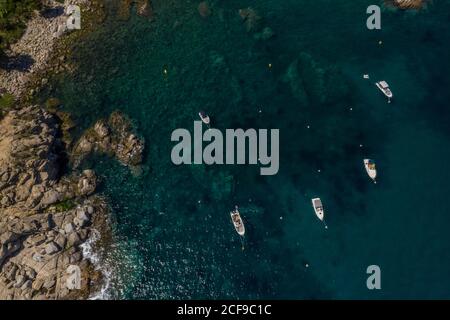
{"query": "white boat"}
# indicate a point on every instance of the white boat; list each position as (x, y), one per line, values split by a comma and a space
(384, 87)
(237, 221)
(318, 208)
(204, 117)
(371, 169)
(366, 76)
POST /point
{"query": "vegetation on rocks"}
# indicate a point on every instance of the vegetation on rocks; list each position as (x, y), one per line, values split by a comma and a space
(6, 102)
(13, 17)
(45, 216)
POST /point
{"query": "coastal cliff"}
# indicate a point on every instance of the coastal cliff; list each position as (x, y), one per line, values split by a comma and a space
(50, 213)
(44, 217)
(47, 217)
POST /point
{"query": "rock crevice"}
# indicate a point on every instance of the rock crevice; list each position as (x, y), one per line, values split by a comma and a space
(44, 218)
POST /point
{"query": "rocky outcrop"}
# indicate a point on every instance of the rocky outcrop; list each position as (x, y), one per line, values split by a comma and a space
(44, 218)
(36, 251)
(251, 19)
(204, 9)
(143, 9)
(254, 23)
(28, 159)
(29, 163)
(114, 137)
(407, 4)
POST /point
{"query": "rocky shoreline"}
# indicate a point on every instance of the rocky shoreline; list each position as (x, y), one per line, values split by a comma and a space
(32, 52)
(44, 218)
(47, 216)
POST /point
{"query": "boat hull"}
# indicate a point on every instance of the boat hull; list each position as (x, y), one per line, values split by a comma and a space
(239, 224)
(205, 119)
(318, 208)
(386, 91)
(372, 173)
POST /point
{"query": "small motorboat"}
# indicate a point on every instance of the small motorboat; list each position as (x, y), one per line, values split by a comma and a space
(204, 117)
(318, 209)
(384, 87)
(366, 76)
(371, 169)
(237, 221)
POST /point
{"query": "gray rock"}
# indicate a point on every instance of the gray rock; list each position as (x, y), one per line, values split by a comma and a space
(73, 239)
(81, 219)
(10, 271)
(26, 285)
(51, 248)
(37, 257)
(49, 283)
(37, 240)
(83, 234)
(86, 186)
(61, 241)
(76, 257)
(68, 228)
(31, 273)
(20, 280)
(10, 244)
(50, 197)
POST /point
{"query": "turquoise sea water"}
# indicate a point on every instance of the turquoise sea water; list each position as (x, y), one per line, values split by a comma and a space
(172, 230)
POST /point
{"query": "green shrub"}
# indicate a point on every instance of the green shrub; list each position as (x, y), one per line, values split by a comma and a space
(6, 101)
(13, 17)
(52, 104)
(64, 205)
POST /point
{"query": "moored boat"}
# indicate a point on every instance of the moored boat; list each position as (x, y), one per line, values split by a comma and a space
(371, 169)
(237, 221)
(204, 117)
(384, 87)
(318, 209)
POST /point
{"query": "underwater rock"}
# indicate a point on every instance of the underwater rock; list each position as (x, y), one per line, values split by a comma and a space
(312, 84)
(124, 11)
(406, 4)
(204, 10)
(266, 34)
(144, 8)
(113, 137)
(251, 18)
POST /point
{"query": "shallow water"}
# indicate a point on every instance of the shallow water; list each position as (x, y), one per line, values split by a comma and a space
(172, 227)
